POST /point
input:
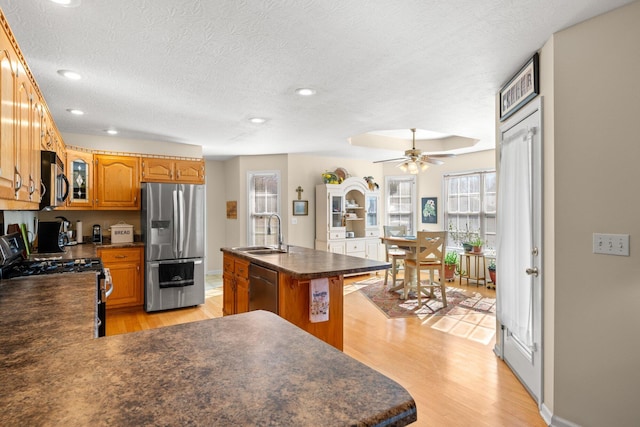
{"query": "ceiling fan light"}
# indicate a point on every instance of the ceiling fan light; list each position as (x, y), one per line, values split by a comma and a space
(413, 168)
(403, 166)
(424, 166)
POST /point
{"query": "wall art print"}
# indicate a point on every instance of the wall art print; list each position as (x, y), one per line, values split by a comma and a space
(429, 210)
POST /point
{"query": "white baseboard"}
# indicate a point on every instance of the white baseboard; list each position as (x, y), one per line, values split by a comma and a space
(554, 421)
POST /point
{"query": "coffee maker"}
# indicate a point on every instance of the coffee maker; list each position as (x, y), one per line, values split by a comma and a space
(50, 237)
(96, 234)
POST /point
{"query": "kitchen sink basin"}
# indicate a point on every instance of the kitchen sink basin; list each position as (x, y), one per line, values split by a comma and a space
(251, 248)
(268, 251)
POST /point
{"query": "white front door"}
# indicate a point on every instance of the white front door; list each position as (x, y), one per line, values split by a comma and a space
(519, 248)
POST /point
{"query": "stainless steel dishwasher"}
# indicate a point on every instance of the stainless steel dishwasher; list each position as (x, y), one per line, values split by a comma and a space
(263, 288)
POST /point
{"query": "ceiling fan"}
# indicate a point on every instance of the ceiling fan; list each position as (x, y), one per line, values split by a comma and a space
(414, 161)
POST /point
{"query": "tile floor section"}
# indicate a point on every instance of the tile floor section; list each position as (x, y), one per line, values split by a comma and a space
(461, 322)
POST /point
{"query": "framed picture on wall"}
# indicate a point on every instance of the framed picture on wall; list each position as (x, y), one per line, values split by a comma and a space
(301, 207)
(429, 210)
(522, 88)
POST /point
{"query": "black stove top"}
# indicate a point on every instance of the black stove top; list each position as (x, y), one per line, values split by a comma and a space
(52, 266)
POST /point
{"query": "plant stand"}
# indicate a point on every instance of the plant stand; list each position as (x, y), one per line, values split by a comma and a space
(479, 265)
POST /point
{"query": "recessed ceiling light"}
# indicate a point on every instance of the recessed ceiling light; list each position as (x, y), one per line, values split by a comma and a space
(71, 75)
(75, 112)
(112, 131)
(257, 120)
(305, 91)
(67, 3)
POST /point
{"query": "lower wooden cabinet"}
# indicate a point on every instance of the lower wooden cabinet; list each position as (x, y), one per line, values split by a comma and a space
(235, 282)
(127, 275)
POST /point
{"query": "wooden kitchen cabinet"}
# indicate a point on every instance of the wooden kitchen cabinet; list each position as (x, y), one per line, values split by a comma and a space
(117, 184)
(155, 169)
(235, 282)
(79, 171)
(125, 265)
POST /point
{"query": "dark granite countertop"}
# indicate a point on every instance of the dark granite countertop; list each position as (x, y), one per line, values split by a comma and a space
(305, 263)
(248, 369)
(84, 250)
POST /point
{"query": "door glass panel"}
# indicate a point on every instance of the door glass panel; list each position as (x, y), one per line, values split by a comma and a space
(80, 170)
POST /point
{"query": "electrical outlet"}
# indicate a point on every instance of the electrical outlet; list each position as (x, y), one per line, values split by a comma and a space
(611, 244)
(294, 221)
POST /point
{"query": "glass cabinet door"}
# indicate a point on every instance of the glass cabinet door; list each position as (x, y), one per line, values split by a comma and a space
(80, 174)
(80, 180)
(336, 203)
(372, 211)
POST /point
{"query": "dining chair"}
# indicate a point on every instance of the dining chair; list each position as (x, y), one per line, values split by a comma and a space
(393, 254)
(431, 250)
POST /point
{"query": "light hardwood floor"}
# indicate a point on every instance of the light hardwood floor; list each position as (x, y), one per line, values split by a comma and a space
(454, 381)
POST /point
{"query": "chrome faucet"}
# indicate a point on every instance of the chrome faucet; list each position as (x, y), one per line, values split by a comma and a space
(280, 239)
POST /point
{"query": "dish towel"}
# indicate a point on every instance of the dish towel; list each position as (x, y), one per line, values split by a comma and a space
(319, 300)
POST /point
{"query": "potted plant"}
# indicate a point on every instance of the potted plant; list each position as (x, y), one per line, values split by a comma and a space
(450, 265)
(477, 243)
(462, 237)
(492, 271)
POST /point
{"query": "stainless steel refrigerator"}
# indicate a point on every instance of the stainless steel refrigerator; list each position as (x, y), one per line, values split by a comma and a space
(173, 232)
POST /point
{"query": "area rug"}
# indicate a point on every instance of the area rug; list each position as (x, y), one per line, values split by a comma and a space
(459, 301)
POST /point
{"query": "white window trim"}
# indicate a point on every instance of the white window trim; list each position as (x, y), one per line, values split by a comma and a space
(414, 196)
(250, 175)
(445, 194)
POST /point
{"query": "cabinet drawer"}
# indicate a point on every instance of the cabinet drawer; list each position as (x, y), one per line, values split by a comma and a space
(355, 246)
(372, 233)
(120, 255)
(337, 235)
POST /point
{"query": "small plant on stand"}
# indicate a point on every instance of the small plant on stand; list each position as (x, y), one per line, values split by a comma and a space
(477, 243)
(463, 237)
(450, 265)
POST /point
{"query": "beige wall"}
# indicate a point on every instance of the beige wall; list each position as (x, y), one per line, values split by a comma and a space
(596, 106)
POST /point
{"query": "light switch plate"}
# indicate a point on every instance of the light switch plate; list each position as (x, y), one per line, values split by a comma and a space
(611, 244)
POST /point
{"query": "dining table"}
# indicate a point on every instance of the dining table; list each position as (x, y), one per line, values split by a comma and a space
(410, 245)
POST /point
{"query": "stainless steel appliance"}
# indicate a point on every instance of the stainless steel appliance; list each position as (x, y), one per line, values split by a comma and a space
(55, 185)
(173, 232)
(96, 234)
(13, 264)
(263, 289)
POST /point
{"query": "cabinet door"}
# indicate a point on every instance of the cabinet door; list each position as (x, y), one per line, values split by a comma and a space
(336, 211)
(79, 170)
(126, 274)
(157, 170)
(372, 249)
(371, 206)
(337, 247)
(7, 120)
(117, 182)
(228, 294)
(25, 184)
(242, 285)
(190, 171)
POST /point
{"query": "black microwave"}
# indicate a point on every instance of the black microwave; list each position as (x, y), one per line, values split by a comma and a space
(55, 185)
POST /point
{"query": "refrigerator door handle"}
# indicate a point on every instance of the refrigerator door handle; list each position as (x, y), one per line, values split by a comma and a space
(181, 229)
(176, 220)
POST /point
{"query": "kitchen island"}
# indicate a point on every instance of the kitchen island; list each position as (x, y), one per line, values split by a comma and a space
(250, 369)
(296, 269)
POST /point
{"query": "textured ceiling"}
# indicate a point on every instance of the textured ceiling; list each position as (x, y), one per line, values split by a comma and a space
(195, 71)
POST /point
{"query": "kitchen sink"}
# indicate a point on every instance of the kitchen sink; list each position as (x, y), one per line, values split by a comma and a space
(251, 248)
(267, 251)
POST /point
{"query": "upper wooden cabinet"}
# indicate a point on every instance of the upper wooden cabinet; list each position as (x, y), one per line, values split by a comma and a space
(172, 170)
(79, 171)
(117, 182)
(8, 80)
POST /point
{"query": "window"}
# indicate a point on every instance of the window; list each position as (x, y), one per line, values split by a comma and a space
(471, 206)
(401, 201)
(264, 200)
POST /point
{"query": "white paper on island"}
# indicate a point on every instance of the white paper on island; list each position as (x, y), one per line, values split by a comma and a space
(319, 300)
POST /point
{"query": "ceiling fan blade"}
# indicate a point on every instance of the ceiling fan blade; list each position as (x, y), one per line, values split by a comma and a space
(399, 159)
(428, 159)
(443, 155)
